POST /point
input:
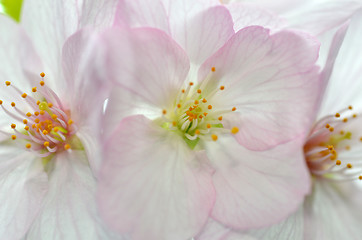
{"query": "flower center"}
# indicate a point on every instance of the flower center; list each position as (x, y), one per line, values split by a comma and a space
(195, 116)
(333, 149)
(47, 127)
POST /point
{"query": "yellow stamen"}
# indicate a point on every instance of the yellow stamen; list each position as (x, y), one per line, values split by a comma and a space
(234, 130)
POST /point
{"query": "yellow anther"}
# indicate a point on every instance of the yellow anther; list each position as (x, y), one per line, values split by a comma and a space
(13, 137)
(33, 89)
(214, 137)
(24, 95)
(233, 109)
(41, 112)
(56, 129)
(330, 147)
(360, 177)
(66, 146)
(204, 100)
(220, 118)
(36, 113)
(178, 105)
(13, 126)
(354, 115)
(338, 162)
(208, 125)
(345, 119)
(28, 145)
(38, 125)
(222, 87)
(198, 91)
(46, 144)
(7, 83)
(234, 130)
(331, 129)
(42, 74)
(205, 114)
(37, 120)
(341, 132)
(197, 132)
(41, 83)
(45, 132)
(213, 69)
(183, 90)
(350, 107)
(13, 104)
(196, 101)
(360, 139)
(191, 83)
(164, 112)
(349, 165)
(1, 102)
(174, 123)
(33, 126)
(337, 115)
(50, 104)
(26, 128)
(328, 126)
(209, 107)
(25, 121)
(54, 116)
(37, 102)
(200, 116)
(333, 157)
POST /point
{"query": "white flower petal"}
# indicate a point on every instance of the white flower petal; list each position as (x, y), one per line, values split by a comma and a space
(23, 185)
(69, 210)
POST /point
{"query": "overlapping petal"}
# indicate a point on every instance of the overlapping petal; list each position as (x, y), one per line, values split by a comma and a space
(69, 210)
(151, 185)
(266, 77)
(148, 66)
(23, 185)
(251, 187)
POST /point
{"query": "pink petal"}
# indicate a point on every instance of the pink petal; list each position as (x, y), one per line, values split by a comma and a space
(151, 185)
(85, 88)
(69, 210)
(266, 78)
(205, 33)
(245, 15)
(23, 185)
(142, 13)
(330, 213)
(257, 189)
(182, 20)
(213, 231)
(148, 66)
(290, 228)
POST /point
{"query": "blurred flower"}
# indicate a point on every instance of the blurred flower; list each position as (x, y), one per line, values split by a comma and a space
(192, 102)
(333, 153)
(48, 128)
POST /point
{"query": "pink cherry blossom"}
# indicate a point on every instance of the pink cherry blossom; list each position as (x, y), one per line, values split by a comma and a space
(333, 154)
(192, 101)
(48, 149)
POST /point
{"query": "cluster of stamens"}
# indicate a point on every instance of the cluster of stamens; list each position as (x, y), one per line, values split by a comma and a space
(194, 115)
(46, 127)
(327, 149)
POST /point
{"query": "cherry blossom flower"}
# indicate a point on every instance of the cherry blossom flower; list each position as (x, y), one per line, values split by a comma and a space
(48, 149)
(197, 89)
(333, 154)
